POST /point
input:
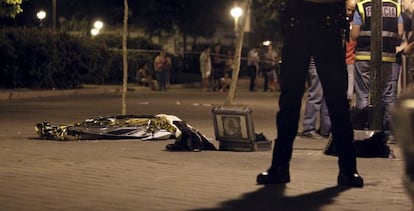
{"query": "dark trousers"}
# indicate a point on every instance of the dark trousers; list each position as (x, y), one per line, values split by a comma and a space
(266, 76)
(217, 74)
(251, 69)
(325, 45)
(162, 77)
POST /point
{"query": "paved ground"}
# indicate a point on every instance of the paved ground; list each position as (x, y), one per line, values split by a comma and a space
(140, 175)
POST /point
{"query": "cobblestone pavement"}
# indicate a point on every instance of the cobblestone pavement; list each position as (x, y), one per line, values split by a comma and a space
(140, 175)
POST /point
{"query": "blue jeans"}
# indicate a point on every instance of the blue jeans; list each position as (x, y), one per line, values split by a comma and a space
(396, 69)
(362, 88)
(350, 92)
(315, 105)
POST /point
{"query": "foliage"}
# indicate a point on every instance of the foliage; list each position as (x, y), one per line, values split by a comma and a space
(186, 18)
(194, 18)
(36, 58)
(33, 58)
(189, 17)
(141, 51)
(22, 68)
(267, 20)
(10, 8)
(115, 41)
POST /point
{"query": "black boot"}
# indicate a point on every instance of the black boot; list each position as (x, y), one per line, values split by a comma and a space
(275, 175)
(352, 179)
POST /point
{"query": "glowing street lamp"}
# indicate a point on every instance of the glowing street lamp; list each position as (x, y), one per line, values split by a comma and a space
(267, 42)
(41, 15)
(97, 26)
(236, 12)
(94, 32)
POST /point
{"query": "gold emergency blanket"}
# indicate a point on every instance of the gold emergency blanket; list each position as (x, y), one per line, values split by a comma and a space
(144, 127)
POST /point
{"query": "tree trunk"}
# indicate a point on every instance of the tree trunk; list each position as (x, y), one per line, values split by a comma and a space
(237, 56)
(125, 58)
(376, 88)
(184, 42)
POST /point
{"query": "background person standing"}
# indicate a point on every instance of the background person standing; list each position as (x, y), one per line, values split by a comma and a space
(253, 60)
(350, 51)
(218, 64)
(162, 66)
(205, 69)
(270, 59)
(315, 105)
(392, 32)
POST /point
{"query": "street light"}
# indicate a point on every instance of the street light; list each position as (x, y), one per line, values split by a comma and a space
(41, 15)
(236, 12)
(94, 32)
(266, 42)
(98, 24)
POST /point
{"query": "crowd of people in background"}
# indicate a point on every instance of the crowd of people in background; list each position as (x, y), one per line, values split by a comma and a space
(217, 66)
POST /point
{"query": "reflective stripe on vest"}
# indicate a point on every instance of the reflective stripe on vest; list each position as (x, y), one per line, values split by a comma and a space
(383, 34)
(366, 56)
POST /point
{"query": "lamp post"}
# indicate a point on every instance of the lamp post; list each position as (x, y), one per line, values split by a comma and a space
(236, 12)
(41, 15)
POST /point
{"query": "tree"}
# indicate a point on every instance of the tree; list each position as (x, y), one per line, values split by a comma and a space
(156, 16)
(237, 55)
(267, 20)
(125, 58)
(10, 8)
(203, 16)
(186, 17)
(87, 10)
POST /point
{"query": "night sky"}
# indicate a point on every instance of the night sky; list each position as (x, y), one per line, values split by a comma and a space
(111, 9)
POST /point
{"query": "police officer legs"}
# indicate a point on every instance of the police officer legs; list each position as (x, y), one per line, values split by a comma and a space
(318, 21)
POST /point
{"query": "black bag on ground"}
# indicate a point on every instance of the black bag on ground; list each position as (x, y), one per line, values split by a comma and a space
(368, 144)
(190, 139)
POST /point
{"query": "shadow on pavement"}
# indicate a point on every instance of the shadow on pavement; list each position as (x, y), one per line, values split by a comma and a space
(272, 198)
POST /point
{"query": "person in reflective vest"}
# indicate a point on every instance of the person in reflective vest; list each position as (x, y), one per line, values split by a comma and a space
(392, 32)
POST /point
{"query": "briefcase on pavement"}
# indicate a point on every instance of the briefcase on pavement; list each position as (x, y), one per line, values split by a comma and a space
(234, 129)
